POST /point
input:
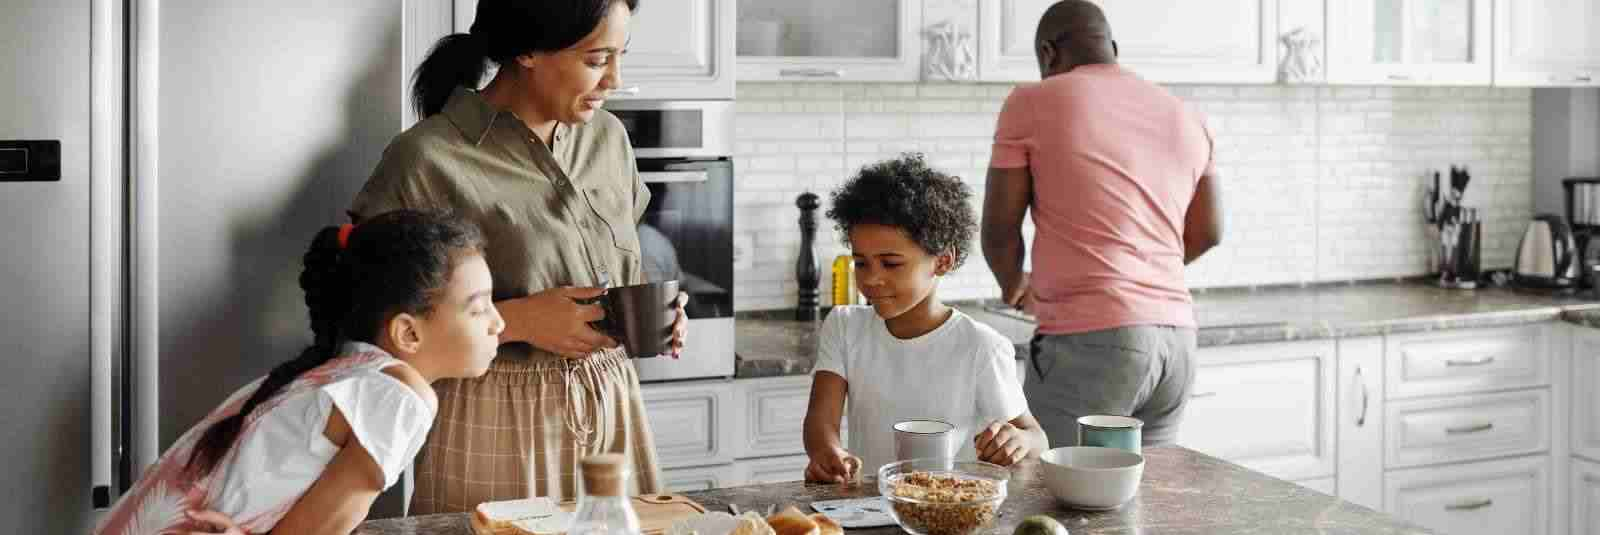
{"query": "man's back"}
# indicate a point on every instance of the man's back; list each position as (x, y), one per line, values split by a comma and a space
(1115, 162)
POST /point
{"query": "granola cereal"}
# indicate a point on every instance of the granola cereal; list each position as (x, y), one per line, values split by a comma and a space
(943, 504)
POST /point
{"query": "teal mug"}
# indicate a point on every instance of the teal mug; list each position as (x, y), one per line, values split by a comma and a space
(1120, 432)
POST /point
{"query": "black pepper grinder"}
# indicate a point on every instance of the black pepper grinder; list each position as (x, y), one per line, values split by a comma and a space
(805, 268)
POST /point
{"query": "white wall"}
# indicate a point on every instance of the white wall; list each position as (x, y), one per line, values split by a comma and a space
(1566, 141)
(1321, 184)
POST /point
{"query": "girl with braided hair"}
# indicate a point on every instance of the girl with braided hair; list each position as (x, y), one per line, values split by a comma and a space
(396, 303)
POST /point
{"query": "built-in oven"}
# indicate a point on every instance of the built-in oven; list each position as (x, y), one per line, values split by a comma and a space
(684, 150)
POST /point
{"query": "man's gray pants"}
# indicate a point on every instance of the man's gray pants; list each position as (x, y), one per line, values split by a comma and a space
(1143, 371)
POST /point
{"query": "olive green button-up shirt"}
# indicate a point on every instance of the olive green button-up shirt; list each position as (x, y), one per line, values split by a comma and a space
(563, 215)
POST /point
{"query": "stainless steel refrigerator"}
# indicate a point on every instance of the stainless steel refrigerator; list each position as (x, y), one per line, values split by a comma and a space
(201, 144)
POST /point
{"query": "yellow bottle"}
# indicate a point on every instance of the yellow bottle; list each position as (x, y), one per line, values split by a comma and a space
(844, 280)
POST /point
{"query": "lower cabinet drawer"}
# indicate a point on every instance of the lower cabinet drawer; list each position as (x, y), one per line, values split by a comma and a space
(1493, 497)
(694, 424)
(1585, 497)
(678, 480)
(1462, 428)
(773, 470)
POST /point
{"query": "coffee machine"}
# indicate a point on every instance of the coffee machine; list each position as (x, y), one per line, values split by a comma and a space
(1582, 199)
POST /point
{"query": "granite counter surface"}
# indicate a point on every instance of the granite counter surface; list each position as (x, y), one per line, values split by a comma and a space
(1183, 491)
(771, 344)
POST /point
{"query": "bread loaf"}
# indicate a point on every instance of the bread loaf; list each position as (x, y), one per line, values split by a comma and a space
(791, 522)
(826, 525)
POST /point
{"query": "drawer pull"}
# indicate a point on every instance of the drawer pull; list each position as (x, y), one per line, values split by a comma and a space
(1198, 395)
(812, 73)
(1473, 362)
(1471, 429)
(1469, 506)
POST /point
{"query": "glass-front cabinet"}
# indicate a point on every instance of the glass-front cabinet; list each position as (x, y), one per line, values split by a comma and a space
(1409, 42)
(829, 40)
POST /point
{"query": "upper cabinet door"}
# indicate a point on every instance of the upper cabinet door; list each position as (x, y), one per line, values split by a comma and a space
(1167, 41)
(1546, 43)
(1409, 42)
(678, 51)
(829, 40)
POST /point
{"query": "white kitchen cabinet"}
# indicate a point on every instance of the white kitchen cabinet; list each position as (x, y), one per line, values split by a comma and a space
(1360, 416)
(1410, 42)
(1325, 485)
(1290, 437)
(1585, 395)
(1467, 427)
(775, 412)
(679, 480)
(1546, 43)
(1468, 360)
(1491, 497)
(1168, 41)
(695, 423)
(772, 470)
(1585, 489)
(829, 40)
(684, 50)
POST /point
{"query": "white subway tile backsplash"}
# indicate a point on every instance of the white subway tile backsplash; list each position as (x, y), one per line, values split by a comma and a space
(1320, 183)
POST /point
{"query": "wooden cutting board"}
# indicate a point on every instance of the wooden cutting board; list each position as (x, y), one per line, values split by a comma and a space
(656, 513)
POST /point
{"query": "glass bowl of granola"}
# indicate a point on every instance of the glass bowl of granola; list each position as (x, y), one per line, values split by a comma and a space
(943, 497)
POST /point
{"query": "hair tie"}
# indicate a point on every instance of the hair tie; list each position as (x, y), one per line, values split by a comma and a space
(344, 234)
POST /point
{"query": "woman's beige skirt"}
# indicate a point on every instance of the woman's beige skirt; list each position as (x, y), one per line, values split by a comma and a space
(520, 430)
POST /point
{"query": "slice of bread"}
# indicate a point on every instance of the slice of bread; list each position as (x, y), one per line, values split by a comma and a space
(502, 516)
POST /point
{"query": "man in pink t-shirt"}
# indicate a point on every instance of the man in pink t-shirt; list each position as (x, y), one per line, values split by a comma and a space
(1119, 175)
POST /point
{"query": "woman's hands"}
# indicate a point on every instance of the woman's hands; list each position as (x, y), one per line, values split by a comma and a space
(680, 326)
(554, 320)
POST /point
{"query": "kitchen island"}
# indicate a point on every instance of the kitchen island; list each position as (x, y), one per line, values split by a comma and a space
(1183, 491)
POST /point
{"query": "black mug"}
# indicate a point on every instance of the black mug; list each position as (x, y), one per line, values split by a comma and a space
(640, 317)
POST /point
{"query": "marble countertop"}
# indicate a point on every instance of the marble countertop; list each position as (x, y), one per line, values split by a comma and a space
(1183, 491)
(772, 344)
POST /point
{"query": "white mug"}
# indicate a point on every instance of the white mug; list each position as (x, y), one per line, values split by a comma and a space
(924, 438)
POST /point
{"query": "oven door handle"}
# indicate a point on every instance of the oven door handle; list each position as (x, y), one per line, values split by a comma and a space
(662, 177)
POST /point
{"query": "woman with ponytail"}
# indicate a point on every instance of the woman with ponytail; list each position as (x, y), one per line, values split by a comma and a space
(550, 178)
(396, 303)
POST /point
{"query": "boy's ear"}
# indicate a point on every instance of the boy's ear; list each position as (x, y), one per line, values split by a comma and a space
(943, 263)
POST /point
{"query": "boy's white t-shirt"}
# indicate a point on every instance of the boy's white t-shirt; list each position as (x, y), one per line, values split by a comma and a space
(963, 372)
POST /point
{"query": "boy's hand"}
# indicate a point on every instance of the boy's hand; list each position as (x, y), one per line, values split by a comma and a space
(1001, 443)
(837, 466)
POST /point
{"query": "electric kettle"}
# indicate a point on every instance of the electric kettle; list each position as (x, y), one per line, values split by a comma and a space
(1547, 257)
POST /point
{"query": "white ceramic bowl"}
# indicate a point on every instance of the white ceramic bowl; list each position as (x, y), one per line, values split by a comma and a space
(1092, 479)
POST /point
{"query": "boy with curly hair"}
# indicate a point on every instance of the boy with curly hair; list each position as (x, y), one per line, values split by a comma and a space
(907, 355)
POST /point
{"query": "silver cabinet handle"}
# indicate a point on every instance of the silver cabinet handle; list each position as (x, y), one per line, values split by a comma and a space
(1582, 78)
(1361, 379)
(1469, 429)
(630, 90)
(812, 73)
(1470, 505)
(1473, 362)
(1400, 77)
(1198, 395)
